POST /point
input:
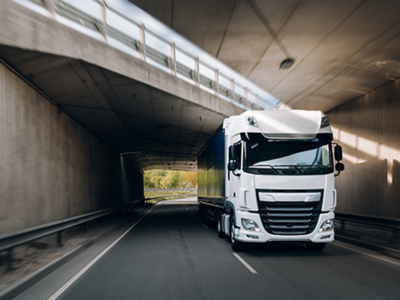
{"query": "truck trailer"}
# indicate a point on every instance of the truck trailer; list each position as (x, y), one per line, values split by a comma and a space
(268, 176)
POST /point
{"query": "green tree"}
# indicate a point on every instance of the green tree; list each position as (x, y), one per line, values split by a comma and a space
(147, 181)
(173, 179)
(162, 179)
(189, 179)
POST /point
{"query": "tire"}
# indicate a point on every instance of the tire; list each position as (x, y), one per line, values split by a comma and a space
(236, 245)
(316, 247)
(221, 234)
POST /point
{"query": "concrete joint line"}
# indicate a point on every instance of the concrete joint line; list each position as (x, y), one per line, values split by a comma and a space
(268, 26)
(15, 72)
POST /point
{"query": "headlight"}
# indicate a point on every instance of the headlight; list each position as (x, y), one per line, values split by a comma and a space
(324, 122)
(251, 121)
(327, 225)
(250, 225)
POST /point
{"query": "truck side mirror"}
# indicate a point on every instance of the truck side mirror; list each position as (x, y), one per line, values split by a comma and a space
(339, 167)
(232, 152)
(338, 153)
(232, 166)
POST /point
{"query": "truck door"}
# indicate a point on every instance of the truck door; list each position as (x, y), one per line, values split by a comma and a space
(234, 176)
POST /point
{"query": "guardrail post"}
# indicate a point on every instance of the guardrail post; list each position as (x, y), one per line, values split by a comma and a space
(232, 90)
(197, 71)
(245, 98)
(10, 260)
(216, 80)
(49, 4)
(103, 23)
(59, 239)
(173, 59)
(142, 42)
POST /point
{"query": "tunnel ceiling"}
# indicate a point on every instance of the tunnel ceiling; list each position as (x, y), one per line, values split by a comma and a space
(342, 48)
(161, 130)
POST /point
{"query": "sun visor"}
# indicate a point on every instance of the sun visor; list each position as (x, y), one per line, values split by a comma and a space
(289, 123)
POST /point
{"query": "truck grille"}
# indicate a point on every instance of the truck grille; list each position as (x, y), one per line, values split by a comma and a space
(290, 218)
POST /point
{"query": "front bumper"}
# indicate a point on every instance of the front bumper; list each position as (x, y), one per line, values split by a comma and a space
(263, 236)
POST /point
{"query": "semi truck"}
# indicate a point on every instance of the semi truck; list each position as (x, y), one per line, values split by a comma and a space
(268, 176)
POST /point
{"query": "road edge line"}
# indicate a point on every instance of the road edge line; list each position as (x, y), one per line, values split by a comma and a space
(25, 283)
(93, 261)
(384, 258)
(245, 263)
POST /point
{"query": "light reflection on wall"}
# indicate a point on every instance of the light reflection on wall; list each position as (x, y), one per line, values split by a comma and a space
(368, 147)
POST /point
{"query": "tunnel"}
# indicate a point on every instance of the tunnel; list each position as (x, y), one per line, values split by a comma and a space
(81, 120)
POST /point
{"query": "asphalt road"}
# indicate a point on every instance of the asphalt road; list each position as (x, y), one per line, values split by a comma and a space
(170, 254)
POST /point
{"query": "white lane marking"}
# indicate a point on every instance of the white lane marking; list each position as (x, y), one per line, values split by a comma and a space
(81, 272)
(371, 255)
(245, 263)
(204, 225)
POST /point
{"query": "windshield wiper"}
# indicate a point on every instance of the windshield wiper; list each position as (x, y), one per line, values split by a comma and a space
(264, 170)
(289, 170)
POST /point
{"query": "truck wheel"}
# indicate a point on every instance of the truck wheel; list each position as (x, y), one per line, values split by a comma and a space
(236, 245)
(316, 247)
(221, 234)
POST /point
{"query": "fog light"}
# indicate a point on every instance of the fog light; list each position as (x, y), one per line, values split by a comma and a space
(327, 225)
(250, 225)
(252, 236)
(324, 237)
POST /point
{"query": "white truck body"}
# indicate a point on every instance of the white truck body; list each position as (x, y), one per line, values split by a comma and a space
(280, 182)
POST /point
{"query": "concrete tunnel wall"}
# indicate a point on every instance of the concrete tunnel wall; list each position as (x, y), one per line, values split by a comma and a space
(368, 128)
(50, 167)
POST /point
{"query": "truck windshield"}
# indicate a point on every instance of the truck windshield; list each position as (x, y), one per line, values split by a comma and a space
(288, 157)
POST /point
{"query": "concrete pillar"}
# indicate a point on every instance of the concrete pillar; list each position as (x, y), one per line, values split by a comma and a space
(142, 42)
(103, 21)
(197, 71)
(173, 59)
(232, 91)
(216, 80)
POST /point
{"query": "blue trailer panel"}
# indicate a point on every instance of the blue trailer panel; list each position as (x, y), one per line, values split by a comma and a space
(211, 171)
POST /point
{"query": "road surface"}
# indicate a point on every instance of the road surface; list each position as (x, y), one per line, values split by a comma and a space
(170, 254)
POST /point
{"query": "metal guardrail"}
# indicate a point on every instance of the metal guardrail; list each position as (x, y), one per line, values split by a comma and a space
(232, 90)
(169, 196)
(13, 239)
(393, 224)
(8, 241)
